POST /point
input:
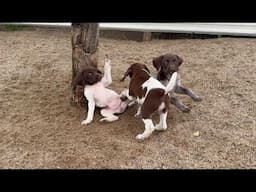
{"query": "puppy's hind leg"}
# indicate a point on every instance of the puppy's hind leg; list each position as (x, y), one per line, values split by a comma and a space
(149, 128)
(108, 115)
(162, 125)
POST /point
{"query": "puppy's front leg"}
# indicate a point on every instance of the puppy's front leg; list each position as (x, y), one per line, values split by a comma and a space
(90, 113)
(183, 90)
(107, 78)
(138, 114)
(179, 104)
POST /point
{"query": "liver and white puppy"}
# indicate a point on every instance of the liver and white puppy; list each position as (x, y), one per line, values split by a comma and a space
(98, 95)
(166, 65)
(151, 96)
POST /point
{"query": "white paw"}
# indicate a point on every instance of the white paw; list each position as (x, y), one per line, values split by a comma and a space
(159, 127)
(103, 119)
(86, 122)
(107, 62)
(198, 99)
(109, 119)
(140, 137)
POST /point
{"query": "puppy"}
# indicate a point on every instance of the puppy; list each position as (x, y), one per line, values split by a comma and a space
(166, 65)
(98, 95)
(151, 96)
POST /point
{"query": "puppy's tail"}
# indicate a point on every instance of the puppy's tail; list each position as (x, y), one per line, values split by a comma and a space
(172, 83)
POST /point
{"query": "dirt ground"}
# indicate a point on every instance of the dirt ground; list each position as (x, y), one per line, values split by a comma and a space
(40, 129)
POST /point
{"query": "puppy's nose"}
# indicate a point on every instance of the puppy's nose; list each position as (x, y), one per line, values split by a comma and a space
(123, 98)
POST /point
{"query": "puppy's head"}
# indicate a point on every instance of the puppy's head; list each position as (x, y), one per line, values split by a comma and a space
(167, 64)
(90, 76)
(133, 69)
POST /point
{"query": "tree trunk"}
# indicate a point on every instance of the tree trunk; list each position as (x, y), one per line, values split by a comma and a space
(84, 41)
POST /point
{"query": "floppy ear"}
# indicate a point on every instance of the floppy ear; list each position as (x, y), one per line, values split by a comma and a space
(180, 60)
(128, 72)
(157, 62)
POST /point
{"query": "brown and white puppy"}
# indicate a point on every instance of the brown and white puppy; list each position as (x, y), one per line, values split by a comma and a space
(166, 65)
(151, 96)
(98, 95)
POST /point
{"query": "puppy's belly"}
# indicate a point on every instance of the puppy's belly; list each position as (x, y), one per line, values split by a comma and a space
(111, 101)
(100, 104)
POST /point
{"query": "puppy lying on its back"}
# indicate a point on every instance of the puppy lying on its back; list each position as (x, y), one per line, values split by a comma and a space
(98, 95)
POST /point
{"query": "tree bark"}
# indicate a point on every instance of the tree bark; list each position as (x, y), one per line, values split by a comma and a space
(84, 39)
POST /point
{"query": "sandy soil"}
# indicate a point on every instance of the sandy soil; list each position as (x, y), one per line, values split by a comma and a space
(40, 129)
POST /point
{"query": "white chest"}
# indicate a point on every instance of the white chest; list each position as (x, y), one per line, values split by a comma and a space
(152, 83)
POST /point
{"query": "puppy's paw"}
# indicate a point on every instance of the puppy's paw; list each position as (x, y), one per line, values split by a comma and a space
(103, 119)
(160, 127)
(107, 61)
(185, 110)
(140, 137)
(198, 99)
(109, 119)
(86, 122)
